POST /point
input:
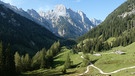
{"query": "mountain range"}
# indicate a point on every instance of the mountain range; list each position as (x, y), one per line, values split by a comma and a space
(29, 31)
(65, 22)
(23, 34)
(61, 21)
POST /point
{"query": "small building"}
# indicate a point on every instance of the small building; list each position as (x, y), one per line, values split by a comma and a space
(119, 52)
(97, 54)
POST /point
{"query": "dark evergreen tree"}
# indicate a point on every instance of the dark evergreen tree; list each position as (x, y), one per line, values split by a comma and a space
(43, 58)
(9, 65)
(106, 46)
(40, 60)
(18, 64)
(98, 46)
(53, 51)
(27, 62)
(22, 63)
(49, 57)
(35, 61)
(1, 59)
(68, 62)
(55, 48)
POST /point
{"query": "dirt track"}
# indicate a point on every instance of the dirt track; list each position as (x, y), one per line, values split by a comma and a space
(91, 65)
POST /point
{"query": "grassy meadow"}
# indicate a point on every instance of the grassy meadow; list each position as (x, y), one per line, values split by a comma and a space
(108, 62)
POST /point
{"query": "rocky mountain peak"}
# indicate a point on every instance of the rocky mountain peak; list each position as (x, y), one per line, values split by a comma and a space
(95, 21)
(60, 10)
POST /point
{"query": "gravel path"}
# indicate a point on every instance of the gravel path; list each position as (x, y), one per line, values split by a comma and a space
(113, 71)
(91, 65)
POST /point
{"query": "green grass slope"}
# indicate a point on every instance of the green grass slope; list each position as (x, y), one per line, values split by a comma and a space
(109, 61)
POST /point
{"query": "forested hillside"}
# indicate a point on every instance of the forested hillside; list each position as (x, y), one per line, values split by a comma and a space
(31, 42)
(23, 34)
(120, 25)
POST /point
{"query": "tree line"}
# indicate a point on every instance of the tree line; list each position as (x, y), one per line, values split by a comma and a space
(91, 45)
(13, 64)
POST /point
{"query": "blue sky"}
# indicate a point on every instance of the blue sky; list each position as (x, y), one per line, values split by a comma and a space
(98, 9)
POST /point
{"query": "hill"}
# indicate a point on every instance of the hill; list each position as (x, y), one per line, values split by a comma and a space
(120, 24)
(23, 34)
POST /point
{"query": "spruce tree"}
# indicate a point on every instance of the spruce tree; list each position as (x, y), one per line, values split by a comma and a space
(49, 57)
(35, 63)
(9, 65)
(1, 58)
(55, 48)
(22, 63)
(43, 58)
(68, 62)
(27, 62)
(18, 64)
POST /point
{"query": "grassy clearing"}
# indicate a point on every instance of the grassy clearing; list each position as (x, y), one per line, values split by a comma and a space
(111, 62)
(130, 72)
(108, 62)
(59, 60)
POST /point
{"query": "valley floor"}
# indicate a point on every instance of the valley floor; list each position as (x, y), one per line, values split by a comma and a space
(109, 63)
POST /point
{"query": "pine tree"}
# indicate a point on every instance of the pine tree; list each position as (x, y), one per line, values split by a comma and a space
(35, 63)
(43, 58)
(9, 65)
(22, 63)
(27, 62)
(49, 57)
(1, 58)
(18, 64)
(68, 62)
(55, 48)
(39, 60)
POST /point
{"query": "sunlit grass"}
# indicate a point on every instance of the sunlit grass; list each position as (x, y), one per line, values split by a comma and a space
(108, 62)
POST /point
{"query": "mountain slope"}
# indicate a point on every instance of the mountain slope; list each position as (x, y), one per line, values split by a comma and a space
(28, 14)
(65, 22)
(119, 25)
(116, 23)
(23, 34)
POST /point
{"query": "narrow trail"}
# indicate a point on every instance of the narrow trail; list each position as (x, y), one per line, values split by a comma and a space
(91, 65)
(86, 70)
(113, 71)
